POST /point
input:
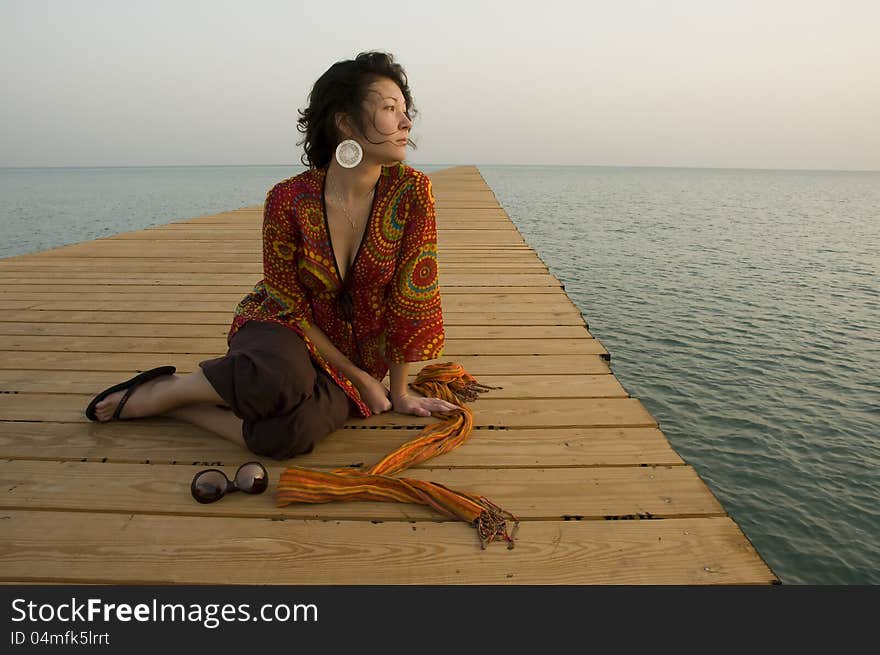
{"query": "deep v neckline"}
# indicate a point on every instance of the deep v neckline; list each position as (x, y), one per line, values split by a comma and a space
(342, 282)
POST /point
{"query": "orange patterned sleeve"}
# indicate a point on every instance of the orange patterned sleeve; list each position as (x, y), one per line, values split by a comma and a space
(414, 315)
(280, 257)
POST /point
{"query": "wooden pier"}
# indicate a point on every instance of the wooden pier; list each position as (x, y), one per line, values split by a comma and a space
(602, 496)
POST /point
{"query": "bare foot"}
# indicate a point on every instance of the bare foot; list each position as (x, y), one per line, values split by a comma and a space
(142, 401)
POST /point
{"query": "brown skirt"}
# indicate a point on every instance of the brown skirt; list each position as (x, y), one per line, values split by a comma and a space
(270, 382)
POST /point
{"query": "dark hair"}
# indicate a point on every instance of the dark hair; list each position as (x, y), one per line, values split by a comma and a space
(343, 88)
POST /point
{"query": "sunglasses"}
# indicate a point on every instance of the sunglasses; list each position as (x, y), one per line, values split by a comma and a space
(211, 485)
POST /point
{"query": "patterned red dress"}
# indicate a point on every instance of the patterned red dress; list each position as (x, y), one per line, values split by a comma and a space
(388, 307)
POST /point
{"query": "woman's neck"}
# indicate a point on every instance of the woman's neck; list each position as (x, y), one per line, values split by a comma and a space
(353, 183)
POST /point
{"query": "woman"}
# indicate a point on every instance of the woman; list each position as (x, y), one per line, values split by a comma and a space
(350, 289)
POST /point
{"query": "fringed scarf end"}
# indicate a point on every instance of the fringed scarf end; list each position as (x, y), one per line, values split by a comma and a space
(491, 525)
(469, 391)
(452, 376)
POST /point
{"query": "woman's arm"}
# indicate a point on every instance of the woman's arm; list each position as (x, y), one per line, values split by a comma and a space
(398, 373)
(372, 391)
(414, 315)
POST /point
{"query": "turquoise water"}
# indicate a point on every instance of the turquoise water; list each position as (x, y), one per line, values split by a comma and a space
(741, 307)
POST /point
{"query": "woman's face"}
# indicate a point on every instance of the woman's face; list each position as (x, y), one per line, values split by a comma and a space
(386, 122)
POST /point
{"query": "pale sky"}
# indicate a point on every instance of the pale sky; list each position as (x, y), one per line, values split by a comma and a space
(705, 83)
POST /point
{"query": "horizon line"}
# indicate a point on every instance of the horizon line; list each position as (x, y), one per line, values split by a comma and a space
(450, 165)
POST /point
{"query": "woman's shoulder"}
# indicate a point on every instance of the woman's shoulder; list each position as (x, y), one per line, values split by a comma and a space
(414, 182)
(403, 171)
(296, 184)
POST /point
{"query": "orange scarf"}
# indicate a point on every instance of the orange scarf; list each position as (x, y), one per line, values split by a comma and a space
(450, 382)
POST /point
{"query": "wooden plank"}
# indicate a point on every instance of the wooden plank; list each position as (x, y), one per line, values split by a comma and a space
(533, 493)
(253, 237)
(139, 549)
(158, 279)
(129, 362)
(165, 440)
(168, 291)
(497, 258)
(213, 290)
(254, 225)
(212, 346)
(542, 412)
(506, 386)
(90, 266)
(452, 216)
(195, 330)
(497, 412)
(450, 318)
(206, 250)
(250, 265)
(100, 302)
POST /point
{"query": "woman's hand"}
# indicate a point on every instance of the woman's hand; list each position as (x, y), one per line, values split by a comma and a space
(373, 392)
(421, 406)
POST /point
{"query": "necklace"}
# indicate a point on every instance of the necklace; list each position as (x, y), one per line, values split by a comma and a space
(343, 207)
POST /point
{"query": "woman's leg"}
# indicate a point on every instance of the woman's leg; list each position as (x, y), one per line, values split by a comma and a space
(160, 396)
(267, 378)
(323, 411)
(210, 417)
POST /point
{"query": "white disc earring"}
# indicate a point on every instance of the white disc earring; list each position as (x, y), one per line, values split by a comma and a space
(349, 153)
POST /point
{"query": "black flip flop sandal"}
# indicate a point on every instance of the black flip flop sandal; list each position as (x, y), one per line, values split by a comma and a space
(130, 385)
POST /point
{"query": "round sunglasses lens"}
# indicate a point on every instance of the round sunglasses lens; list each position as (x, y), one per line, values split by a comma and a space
(252, 478)
(209, 486)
